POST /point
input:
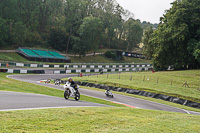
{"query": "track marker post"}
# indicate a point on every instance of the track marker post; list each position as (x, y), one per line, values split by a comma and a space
(185, 84)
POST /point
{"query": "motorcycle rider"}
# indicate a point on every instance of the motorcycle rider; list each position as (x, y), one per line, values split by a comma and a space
(72, 83)
(107, 91)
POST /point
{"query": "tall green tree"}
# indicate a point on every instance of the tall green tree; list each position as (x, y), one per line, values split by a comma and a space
(134, 34)
(18, 34)
(57, 39)
(176, 41)
(9, 10)
(148, 48)
(74, 13)
(78, 48)
(90, 33)
(3, 32)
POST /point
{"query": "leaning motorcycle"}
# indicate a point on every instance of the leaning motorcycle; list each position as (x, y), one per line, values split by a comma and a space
(57, 82)
(108, 93)
(70, 91)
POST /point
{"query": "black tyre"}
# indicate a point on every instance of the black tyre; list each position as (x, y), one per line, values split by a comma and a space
(77, 96)
(66, 95)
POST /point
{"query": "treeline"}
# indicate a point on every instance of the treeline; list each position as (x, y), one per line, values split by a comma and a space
(176, 42)
(68, 25)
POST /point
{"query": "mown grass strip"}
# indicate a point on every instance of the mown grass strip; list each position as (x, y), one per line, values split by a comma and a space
(101, 120)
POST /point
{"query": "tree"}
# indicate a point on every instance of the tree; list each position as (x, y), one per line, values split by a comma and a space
(90, 33)
(74, 10)
(18, 34)
(176, 41)
(148, 48)
(77, 47)
(194, 49)
(9, 10)
(57, 39)
(3, 32)
(134, 34)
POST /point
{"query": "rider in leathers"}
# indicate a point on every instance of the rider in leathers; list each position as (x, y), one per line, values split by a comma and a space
(72, 83)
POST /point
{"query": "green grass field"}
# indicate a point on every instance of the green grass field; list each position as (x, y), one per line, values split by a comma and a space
(167, 83)
(98, 120)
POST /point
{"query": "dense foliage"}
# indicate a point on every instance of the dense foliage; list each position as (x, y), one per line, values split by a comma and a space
(110, 55)
(176, 42)
(68, 25)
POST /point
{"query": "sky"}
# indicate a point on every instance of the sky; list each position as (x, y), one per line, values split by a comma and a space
(146, 10)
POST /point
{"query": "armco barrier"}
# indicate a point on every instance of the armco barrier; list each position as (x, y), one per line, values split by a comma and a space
(143, 93)
(77, 65)
(25, 71)
(106, 70)
(97, 70)
(19, 71)
(38, 71)
(3, 70)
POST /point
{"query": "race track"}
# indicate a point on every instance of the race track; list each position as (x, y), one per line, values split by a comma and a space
(126, 100)
(24, 101)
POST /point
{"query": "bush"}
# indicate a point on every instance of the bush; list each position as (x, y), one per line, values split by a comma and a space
(111, 55)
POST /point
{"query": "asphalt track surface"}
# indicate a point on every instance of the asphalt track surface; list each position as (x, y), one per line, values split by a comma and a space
(25, 101)
(41, 101)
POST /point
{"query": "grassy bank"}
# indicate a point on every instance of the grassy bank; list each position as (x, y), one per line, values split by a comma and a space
(167, 83)
(102, 59)
(87, 59)
(12, 57)
(101, 120)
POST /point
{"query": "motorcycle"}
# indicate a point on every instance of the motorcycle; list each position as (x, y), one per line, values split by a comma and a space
(70, 91)
(48, 81)
(109, 94)
(57, 82)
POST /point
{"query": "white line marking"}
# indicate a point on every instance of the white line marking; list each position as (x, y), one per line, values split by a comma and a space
(48, 108)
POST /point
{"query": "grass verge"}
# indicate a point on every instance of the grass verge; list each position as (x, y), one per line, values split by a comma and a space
(102, 59)
(166, 83)
(101, 120)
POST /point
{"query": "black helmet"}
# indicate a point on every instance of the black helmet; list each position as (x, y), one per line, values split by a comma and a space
(69, 79)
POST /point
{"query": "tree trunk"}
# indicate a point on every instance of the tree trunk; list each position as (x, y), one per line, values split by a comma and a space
(68, 41)
(128, 46)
